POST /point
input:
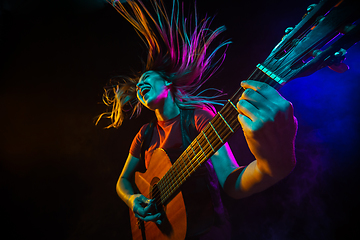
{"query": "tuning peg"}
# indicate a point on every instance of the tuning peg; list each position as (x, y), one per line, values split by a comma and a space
(288, 30)
(340, 53)
(339, 68)
(347, 28)
(309, 9)
(338, 65)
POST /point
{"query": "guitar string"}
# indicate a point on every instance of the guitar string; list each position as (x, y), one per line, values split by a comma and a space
(285, 47)
(187, 164)
(203, 158)
(196, 158)
(198, 161)
(218, 141)
(202, 139)
(146, 223)
(195, 147)
(189, 161)
(290, 50)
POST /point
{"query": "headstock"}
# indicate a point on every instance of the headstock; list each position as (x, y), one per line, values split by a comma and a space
(321, 39)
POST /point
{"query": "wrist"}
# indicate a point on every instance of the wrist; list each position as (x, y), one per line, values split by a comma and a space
(278, 167)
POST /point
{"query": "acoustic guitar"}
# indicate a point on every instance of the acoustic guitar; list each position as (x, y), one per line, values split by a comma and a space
(320, 39)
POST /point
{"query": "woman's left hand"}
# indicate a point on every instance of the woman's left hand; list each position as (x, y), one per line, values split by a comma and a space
(269, 127)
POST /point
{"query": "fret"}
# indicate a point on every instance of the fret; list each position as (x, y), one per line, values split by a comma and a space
(211, 138)
(172, 178)
(275, 71)
(271, 74)
(194, 154)
(162, 198)
(230, 114)
(259, 73)
(190, 163)
(208, 141)
(226, 122)
(201, 148)
(163, 186)
(176, 175)
(263, 74)
(216, 132)
(164, 181)
(232, 105)
(172, 187)
(167, 193)
(250, 77)
(160, 186)
(182, 172)
(188, 173)
(159, 190)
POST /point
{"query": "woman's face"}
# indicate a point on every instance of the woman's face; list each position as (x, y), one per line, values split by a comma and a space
(152, 90)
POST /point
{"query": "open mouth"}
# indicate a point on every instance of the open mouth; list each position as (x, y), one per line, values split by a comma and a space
(144, 91)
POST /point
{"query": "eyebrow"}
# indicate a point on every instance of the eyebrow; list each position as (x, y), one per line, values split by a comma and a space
(142, 78)
(145, 76)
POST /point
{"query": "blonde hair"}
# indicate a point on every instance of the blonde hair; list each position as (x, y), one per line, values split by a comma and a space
(178, 49)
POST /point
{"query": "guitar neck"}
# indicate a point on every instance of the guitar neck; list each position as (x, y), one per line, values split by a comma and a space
(313, 37)
(211, 139)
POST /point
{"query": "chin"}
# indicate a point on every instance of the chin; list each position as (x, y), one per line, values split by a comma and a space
(149, 105)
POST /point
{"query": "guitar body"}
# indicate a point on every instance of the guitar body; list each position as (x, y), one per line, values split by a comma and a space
(320, 39)
(174, 224)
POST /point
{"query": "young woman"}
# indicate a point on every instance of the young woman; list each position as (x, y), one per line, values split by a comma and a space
(178, 63)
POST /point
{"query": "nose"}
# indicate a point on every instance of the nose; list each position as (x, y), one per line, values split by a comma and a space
(141, 83)
(138, 85)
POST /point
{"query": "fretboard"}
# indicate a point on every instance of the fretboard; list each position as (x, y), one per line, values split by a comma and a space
(211, 139)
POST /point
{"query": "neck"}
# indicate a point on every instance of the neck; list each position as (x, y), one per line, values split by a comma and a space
(168, 110)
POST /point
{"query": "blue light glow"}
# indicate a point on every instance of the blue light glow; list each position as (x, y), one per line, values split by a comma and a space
(328, 103)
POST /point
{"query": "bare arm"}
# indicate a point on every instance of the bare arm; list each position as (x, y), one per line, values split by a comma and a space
(139, 204)
(269, 127)
(125, 182)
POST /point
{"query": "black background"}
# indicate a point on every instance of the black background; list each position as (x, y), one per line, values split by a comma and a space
(58, 170)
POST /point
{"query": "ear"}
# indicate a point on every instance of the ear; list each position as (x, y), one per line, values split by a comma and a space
(168, 83)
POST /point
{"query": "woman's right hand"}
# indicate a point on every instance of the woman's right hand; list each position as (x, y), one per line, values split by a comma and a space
(144, 208)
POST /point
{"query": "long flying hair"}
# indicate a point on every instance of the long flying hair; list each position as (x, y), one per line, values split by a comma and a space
(178, 49)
